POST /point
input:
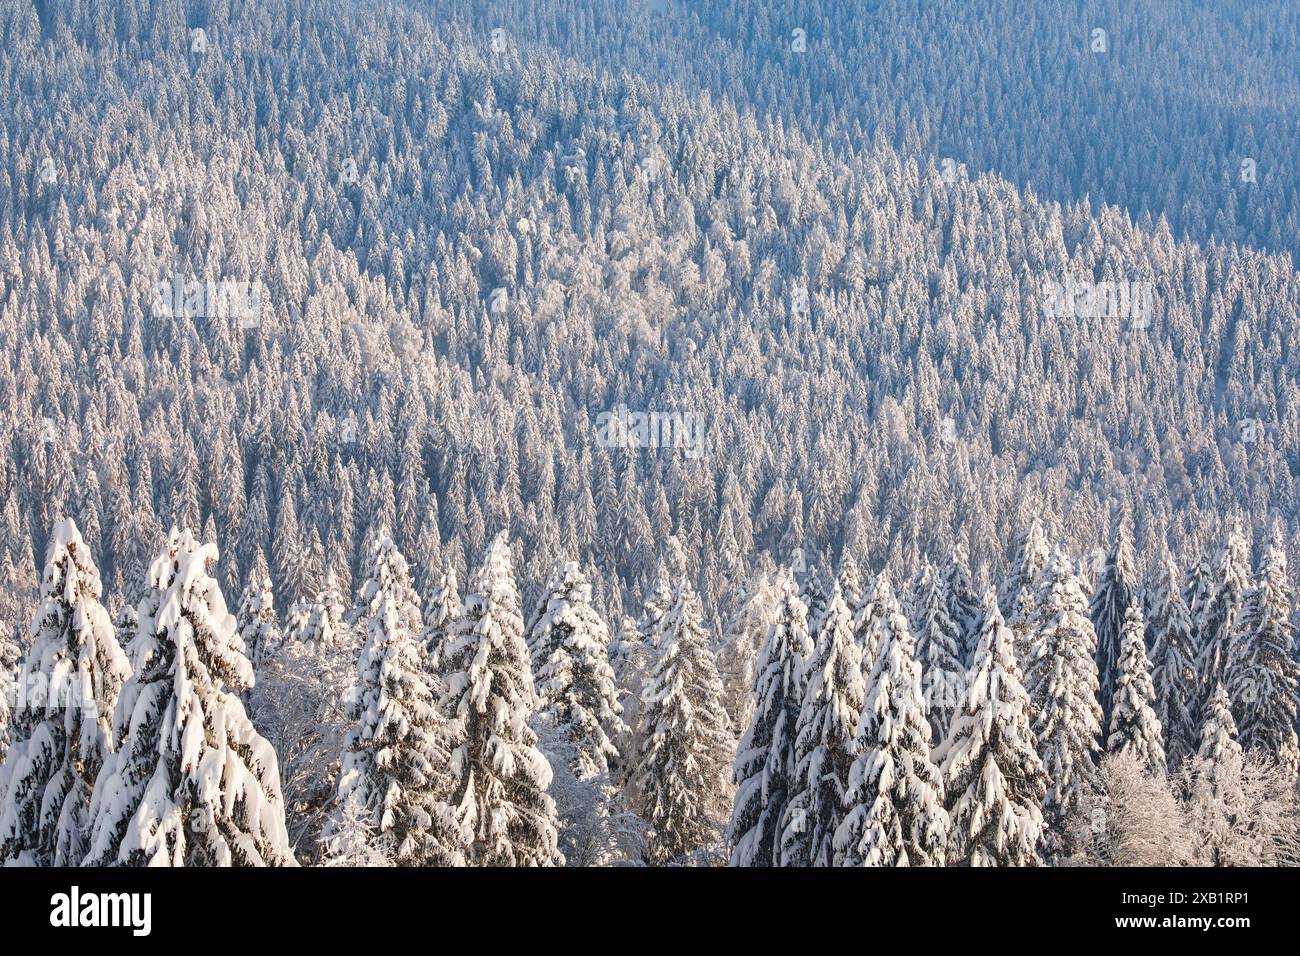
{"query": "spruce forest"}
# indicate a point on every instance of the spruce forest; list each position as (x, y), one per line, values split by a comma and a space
(443, 433)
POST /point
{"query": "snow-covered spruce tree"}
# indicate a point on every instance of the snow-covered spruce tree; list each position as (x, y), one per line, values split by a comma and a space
(632, 658)
(823, 748)
(867, 626)
(742, 641)
(1217, 800)
(1198, 589)
(1116, 591)
(939, 653)
(963, 602)
(501, 777)
(1262, 672)
(1068, 722)
(255, 617)
(993, 778)
(1026, 646)
(1134, 727)
(439, 617)
(681, 783)
(765, 758)
(192, 783)
(894, 805)
(326, 623)
(1217, 623)
(574, 681)
(395, 755)
(1173, 668)
(816, 596)
(850, 578)
(295, 623)
(71, 679)
(1032, 552)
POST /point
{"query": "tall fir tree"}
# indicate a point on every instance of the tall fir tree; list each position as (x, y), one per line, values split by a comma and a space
(1263, 673)
(963, 602)
(1116, 591)
(191, 783)
(1134, 728)
(823, 748)
(816, 596)
(894, 804)
(938, 650)
(1032, 552)
(993, 777)
(501, 777)
(439, 618)
(575, 683)
(1173, 666)
(62, 723)
(1217, 621)
(395, 756)
(1068, 718)
(742, 641)
(681, 783)
(765, 759)
(850, 578)
(258, 624)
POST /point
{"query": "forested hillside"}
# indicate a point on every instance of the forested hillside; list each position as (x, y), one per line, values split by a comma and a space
(339, 286)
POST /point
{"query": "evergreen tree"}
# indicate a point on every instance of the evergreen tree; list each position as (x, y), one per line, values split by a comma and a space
(894, 804)
(823, 748)
(1263, 674)
(62, 722)
(686, 748)
(1032, 553)
(963, 602)
(765, 759)
(938, 651)
(1116, 591)
(256, 618)
(1134, 728)
(501, 777)
(440, 617)
(850, 579)
(395, 756)
(1068, 721)
(1173, 669)
(191, 782)
(575, 683)
(1217, 622)
(992, 774)
(816, 598)
(742, 642)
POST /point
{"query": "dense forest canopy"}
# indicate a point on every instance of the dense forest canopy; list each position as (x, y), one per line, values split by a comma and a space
(600, 432)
